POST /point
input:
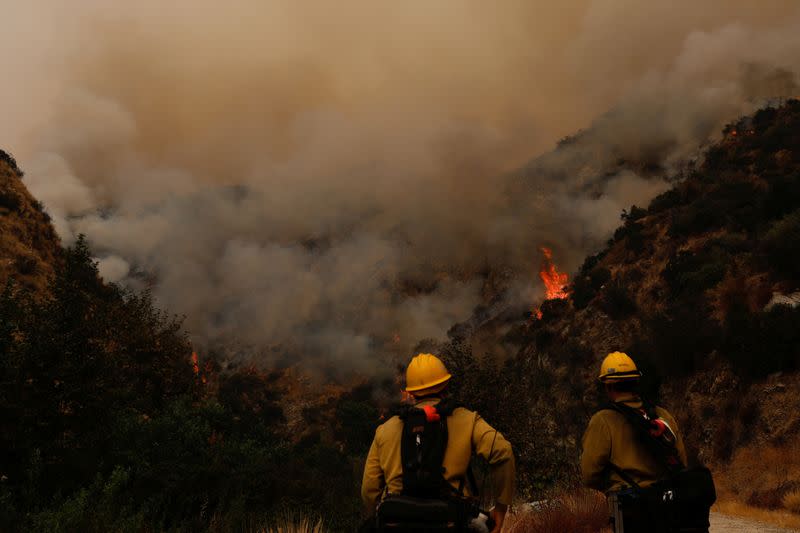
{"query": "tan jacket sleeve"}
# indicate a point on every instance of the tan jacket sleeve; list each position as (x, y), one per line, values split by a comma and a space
(596, 453)
(490, 444)
(373, 482)
(681, 447)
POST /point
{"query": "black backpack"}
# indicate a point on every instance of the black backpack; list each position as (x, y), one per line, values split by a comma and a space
(428, 502)
(681, 501)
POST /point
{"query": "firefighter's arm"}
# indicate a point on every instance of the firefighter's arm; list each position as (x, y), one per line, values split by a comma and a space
(596, 453)
(490, 444)
(373, 481)
(681, 447)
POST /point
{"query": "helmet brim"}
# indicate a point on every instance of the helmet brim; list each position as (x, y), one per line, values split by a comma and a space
(430, 385)
(622, 376)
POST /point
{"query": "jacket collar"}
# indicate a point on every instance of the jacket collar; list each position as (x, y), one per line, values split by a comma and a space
(431, 400)
(630, 399)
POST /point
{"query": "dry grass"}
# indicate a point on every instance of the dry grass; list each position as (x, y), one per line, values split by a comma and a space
(580, 511)
(288, 524)
(791, 501)
(303, 525)
(29, 247)
(783, 519)
(760, 483)
(759, 470)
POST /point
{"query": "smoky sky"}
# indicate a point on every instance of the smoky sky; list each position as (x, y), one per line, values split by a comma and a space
(330, 182)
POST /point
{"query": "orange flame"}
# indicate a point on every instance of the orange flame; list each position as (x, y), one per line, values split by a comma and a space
(195, 364)
(555, 282)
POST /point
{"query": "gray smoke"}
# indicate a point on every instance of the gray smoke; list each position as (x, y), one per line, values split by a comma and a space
(329, 182)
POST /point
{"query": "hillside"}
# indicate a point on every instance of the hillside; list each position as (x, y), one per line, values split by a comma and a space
(103, 402)
(29, 246)
(685, 287)
(109, 422)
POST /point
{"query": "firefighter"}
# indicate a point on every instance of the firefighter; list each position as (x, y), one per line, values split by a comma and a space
(466, 434)
(615, 456)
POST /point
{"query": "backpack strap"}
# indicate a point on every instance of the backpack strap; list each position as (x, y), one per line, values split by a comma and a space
(625, 476)
(652, 432)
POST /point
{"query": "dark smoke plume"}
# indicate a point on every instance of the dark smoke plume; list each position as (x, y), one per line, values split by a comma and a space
(320, 180)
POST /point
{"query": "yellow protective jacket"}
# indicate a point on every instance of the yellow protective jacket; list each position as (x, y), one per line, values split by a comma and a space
(467, 432)
(610, 438)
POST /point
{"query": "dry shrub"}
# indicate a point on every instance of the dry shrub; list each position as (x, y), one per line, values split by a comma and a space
(288, 524)
(773, 497)
(759, 468)
(580, 511)
(303, 525)
(791, 501)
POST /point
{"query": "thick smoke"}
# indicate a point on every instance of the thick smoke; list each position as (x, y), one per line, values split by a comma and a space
(323, 179)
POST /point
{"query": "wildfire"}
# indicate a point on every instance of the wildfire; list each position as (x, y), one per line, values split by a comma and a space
(195, 364)
(555, 282)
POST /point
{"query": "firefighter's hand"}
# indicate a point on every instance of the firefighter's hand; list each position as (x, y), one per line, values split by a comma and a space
(498, 516)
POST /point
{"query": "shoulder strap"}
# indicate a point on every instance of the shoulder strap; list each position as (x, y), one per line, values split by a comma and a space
(447, 406)
(624, 475)
(444, 408)
(641, 420)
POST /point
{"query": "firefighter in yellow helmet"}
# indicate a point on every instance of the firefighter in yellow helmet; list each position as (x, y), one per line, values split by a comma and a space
(434, 418)
(615, 456)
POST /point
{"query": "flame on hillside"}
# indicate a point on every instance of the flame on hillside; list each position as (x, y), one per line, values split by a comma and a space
(196, 368)
(195, 364)
(555, 282)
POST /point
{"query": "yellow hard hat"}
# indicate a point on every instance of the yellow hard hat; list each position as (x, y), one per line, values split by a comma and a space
(426, 371)
(617, 366)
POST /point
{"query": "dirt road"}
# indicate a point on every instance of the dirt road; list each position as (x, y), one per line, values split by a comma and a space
(721, 523)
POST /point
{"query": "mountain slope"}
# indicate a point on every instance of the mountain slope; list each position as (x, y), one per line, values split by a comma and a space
(684, 287)
(29, 246)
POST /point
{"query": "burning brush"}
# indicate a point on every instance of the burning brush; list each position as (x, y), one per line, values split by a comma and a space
(555, 282)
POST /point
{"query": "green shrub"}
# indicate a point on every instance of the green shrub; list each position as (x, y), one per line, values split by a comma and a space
(357, 421)
(9, 200)
(11, 162)
(693, 272)
(782, 245)
(678, 340)
(616, 301)
(591, 261)
(783, 196)
(586, 286)
(758, 344)
(631, 233)
(105, 427)
(665, 200)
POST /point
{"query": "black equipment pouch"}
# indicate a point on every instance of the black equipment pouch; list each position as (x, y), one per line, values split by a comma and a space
(681, 501)
(400, 514)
